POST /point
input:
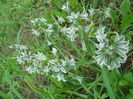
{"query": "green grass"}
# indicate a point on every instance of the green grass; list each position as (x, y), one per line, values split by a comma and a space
(15, 27)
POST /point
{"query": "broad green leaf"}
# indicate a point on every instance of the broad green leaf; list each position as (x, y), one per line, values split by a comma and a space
(126, 22)
(128, 77)
(131, 91)
(125, 7)
(123, 83)
(129, 35)
(107, 84)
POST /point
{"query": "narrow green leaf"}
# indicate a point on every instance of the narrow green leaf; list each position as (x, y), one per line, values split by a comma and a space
(78, 94)
(126, 22)
(125, 7)
(107, 84)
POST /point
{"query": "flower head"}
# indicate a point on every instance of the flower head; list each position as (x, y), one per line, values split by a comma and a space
(61, 19)
(65, 7)
(39, 56)
(110, 54)
(107, 12)
(70, 32)
(35, 32)
(73, 16)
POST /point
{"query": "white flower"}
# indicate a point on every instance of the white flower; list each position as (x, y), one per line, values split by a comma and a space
(35, 32)
(18, 47)
(46, 69)
(68, 62)
(11, 46)
(49, 43)
(121, 46)
(73, 17)
(22, 57)
(87, 28)
(58, 67)
(100, 35)
(49, 30)
(61, 19)
(54, 51)
(34, 21)
(71, 36)
(59, 76)
(70, 32)
(65, 7)
(23, 47)
(84, 15)
(32, 69)
(107, 12)
(110, 54)
(92, 11)
(52, 62)
(39, 56)
(43, 20)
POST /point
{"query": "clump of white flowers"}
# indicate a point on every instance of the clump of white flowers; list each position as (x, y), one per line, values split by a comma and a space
(70, 32)
(74, 26)
(38, 23)
(110, 54)
(18, 47)
(59, 67)
(31, 61)
(34, 62)
(68, 25)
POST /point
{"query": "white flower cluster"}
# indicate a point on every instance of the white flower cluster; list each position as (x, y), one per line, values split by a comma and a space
(68, 25)
(105, 12)
(110, 54)
(59, 67)
(76, 16)
(18, 47)
(47, 28)
(70, 32)
(34, 63)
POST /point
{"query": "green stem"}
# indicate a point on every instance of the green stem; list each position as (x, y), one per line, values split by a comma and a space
(107, 84)
(78, 94)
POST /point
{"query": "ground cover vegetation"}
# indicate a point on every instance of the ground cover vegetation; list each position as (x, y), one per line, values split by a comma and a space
(66, 49)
